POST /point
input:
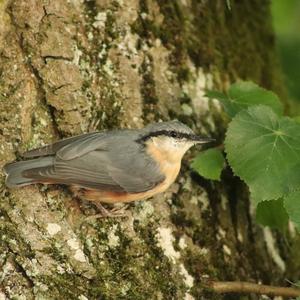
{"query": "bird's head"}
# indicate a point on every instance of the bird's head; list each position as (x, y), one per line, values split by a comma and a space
(173, 138)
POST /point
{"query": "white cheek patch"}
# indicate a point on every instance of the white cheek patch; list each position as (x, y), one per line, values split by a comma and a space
(171, 144)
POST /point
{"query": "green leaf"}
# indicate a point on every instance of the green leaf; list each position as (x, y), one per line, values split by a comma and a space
(263, 150)
(292, 206)
(209, 163)
(244, 94)
(292, 181)
(273, 214)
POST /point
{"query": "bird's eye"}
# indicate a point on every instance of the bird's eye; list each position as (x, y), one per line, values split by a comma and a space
(174, 134)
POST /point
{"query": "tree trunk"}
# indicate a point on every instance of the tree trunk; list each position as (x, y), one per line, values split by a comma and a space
(68, 65)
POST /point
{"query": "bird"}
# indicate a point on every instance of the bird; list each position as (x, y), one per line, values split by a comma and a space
(114, 166)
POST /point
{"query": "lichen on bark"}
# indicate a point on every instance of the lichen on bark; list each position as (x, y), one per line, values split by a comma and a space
(65, 65)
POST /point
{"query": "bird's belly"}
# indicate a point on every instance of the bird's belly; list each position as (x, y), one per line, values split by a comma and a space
(170, 171)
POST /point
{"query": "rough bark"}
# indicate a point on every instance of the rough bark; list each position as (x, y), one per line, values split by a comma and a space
(65, 65)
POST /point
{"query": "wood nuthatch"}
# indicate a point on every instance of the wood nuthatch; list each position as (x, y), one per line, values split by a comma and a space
(113, 166)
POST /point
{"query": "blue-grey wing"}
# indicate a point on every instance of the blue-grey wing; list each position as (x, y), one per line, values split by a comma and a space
(52, 149)
(134, 169)
(115, 163)
(79, 145)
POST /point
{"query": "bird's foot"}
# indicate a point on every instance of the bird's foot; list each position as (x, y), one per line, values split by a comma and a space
(116, 212)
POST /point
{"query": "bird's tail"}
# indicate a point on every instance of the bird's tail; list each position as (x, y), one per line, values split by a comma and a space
(15, 171)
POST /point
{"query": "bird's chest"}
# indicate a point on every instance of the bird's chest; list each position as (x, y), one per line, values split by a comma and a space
(169, 165)
(170, 170)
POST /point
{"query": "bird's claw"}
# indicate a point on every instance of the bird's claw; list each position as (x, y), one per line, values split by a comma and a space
(116, 212)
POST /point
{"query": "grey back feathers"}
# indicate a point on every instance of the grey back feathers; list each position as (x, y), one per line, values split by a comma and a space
(52, 149)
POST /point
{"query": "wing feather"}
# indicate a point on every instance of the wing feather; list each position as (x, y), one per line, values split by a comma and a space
(53, 148)
(101, 161)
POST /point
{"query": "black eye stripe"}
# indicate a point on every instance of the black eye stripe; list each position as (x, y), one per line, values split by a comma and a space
(171, 133)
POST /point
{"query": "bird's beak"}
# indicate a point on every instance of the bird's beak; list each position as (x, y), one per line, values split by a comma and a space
(201, 140)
